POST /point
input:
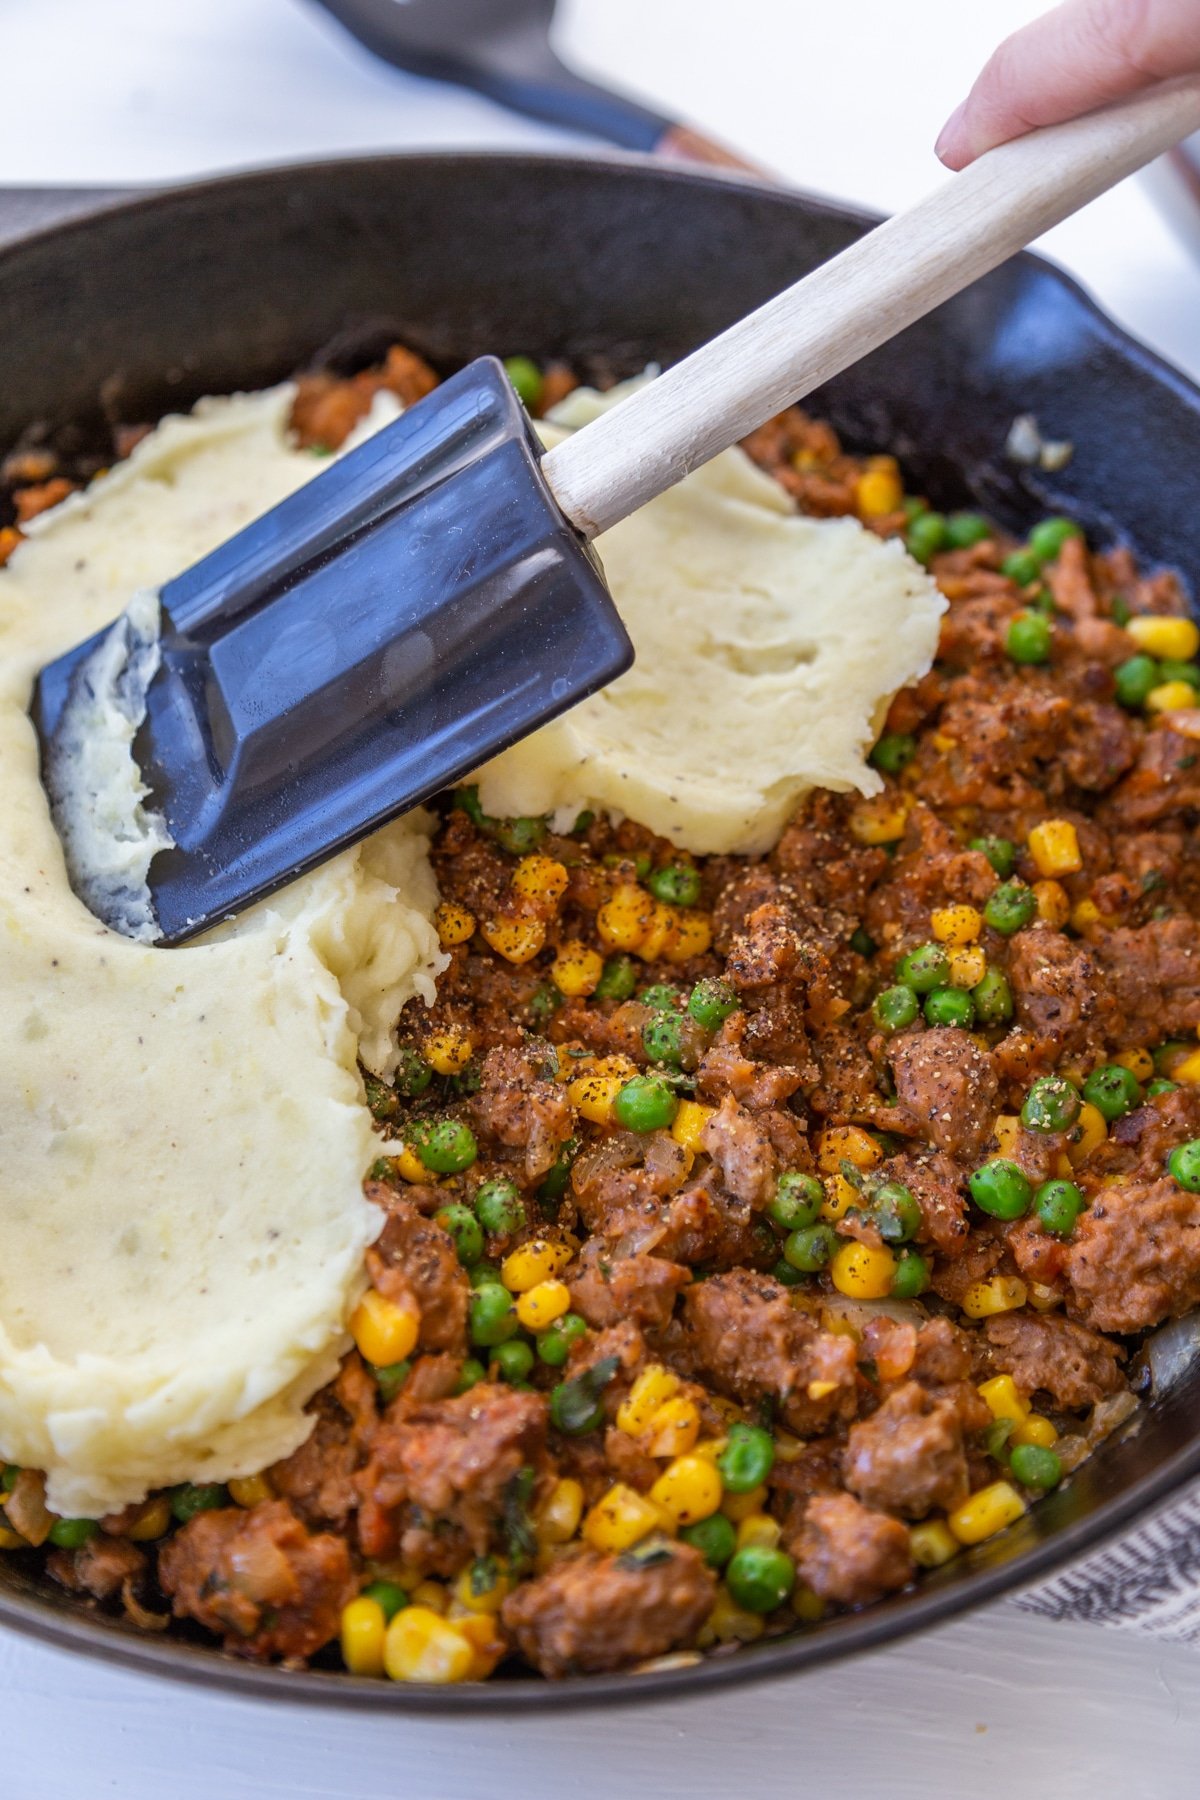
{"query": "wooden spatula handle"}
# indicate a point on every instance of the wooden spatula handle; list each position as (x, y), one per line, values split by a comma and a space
(850, 305)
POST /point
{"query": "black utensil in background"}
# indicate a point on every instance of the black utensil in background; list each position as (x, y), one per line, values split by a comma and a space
(502, 48)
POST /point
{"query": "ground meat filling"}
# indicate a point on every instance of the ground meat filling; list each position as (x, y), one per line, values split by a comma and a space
(752, 1230)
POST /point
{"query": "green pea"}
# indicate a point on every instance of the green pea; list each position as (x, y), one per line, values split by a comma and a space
(1160, 1085)
(711, 1002)
(1183, 1165)
(72, 1534)
(797, 1201)
(492, 1317)
(993, 999)
(895, 1008)
(661, 997)
(1010, 907)
(1058, 1204)
(462, 1225)
(1135, 679)
(554, 1344)
(1049, 535)
(1035, 1467)
(715, 1538)
(514, 1359)
(554, 1181)
(575, 1405)
(390, 1378)
(499, 1207)
(810, 1248)
(1051, 1104)
(760, 1579)
(676, 885)
(382, 1100)
(789, 1277)
(520, 836)
(895, 1212)
(471, 1374)
(1021, 567)
(584, 822)
(645, 1104)
(1002, 1189)
(526, 378)
(911, 1277)
(1181, 671)
(747, 1458)
(966, 528)
(618, 981)
(8, 1477)
(926, 535)
(197, 1497)
(1042, 601)
(483, 1274)
(664, 1039)
(466, 799)
(1113, 1091)
(1000, 852)
(950, 1006)
(894, 751)
(914, 506)
(923, 969)
(413, 1073)
(445, 1147)
(387, 1596)
(1029, 637)
(862, 943)
(544, 1002)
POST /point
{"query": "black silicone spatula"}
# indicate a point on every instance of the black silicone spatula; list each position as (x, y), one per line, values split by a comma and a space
(430, 598)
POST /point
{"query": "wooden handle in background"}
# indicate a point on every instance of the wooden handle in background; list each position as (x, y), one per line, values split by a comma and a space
(855, 302)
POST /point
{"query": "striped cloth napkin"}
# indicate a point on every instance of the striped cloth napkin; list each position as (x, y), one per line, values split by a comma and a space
(1147, 1581)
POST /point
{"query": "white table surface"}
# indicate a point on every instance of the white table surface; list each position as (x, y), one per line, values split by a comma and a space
(842, 99)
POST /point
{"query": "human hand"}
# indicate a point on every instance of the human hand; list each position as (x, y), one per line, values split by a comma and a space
(1080, 56)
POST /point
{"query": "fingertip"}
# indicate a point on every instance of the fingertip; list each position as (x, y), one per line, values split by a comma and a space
(952, 147)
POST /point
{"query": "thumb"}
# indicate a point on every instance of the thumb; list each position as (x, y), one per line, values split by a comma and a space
(1078, 57)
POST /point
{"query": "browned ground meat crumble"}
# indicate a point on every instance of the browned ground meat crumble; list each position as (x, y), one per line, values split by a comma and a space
(508, 1491)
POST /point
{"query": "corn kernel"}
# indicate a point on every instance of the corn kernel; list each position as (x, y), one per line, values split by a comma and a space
(846, 1143)
(486, 1595)
(592, 1096)
(10, 1539)
(620, 1518)
(877, 492)
(540, 878)
(1041, 1297)
(622, 921)
(861, 1272)
(539, 1306)
(820, 1390)
(880, 820)
(516, 940)
(956, 925)
(943, 742)
(759, 1529)
(1007, 1133)
(576, 970)
(1053, 903)
(448, 1052)
(840, 1196)
(536, 1261)
(557, 1520)
(1187, 1069)
(154, 1521)
(487, 1645)
(364, 1629)
(411, 1167)
(1054, 847)
(661, 936)
(421, 1646)
(693, 935)
(1035, 1430)
(1140, 1064)
(1170, 696)
(1090, 1129)
(652, 1389)
(688, 1490)
(250, 1490)
(453, 924)
(1004, 1399)
(384, 1332)
(1171, 640)
(689, 1122)
(729, 1623)
(740, 1506)
(431, 1594)
(1003, 1293)
(808, 1606)
(932, 1543)
(986, 1512)
(967, 967)
(711, 1447)
(674, 1429)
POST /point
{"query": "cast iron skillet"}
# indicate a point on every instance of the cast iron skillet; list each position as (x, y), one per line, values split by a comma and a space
(612, 263)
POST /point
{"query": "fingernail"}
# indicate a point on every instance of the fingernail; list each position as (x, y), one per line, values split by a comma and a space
(948, 144)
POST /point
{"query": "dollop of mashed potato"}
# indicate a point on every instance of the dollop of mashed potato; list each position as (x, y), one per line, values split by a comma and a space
(182, 1223)
(769, 646)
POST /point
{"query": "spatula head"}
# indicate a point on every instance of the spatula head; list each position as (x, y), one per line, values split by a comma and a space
(412, 611)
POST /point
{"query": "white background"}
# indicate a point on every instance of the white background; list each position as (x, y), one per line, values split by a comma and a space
(844, 99)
